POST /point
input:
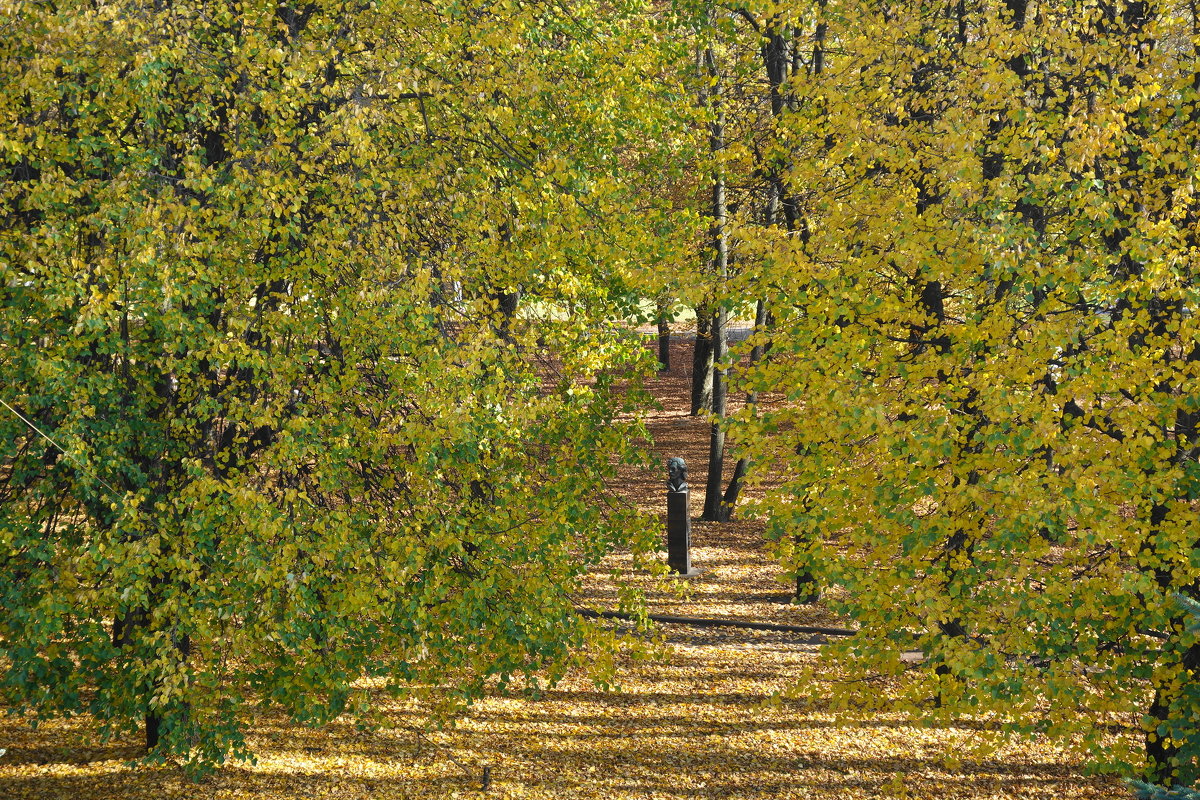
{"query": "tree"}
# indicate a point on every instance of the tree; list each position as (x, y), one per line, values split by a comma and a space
(776, 35)
(987, 337)
(740, 192)
(273, 419)
(720, 319)
(1148, 791)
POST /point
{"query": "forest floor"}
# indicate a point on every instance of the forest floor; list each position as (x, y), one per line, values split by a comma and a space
(697, 723)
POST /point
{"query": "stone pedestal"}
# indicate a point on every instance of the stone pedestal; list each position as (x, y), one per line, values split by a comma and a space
(679, 533)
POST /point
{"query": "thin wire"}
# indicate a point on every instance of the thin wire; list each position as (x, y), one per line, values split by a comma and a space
(63, 450)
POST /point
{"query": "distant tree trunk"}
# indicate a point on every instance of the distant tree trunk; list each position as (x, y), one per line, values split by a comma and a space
(775, 55)
(506, 296)
(702, 363)
(720, 334)
(508, 303)
(716, 436)
(664, 346)
(725, 512)
(664, 337)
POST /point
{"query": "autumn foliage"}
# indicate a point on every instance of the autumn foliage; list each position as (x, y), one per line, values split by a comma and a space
(987, 329)
(313, 328)
(275, 420)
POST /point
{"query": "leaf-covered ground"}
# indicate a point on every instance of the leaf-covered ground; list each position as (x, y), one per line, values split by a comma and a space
(698, 724)
(695, 726)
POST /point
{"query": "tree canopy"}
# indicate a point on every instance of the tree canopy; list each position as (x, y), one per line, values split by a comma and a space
(986, 328)
(313, 323)
(276, 415)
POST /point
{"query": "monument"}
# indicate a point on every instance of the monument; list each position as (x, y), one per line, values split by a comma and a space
(679, 519)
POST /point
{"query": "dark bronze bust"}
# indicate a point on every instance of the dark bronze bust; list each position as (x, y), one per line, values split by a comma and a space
(677, 470)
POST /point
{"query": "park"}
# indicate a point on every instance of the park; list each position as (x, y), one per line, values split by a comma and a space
(599, 398)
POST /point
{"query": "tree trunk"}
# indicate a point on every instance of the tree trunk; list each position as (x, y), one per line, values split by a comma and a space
(720, 340)
(725, 513)
(807, 590)
(716, 437)
(702, 363)
(1162, 752)
(154, 720)
(730, 498)
(664, 338)
(508, 303)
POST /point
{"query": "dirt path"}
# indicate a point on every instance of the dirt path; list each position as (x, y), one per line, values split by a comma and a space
(738, 577)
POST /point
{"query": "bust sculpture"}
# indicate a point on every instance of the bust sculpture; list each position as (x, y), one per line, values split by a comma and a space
(677, 472)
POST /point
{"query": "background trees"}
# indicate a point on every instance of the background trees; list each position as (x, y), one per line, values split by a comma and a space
(986, 330)
(265, 283)
(278, 415)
